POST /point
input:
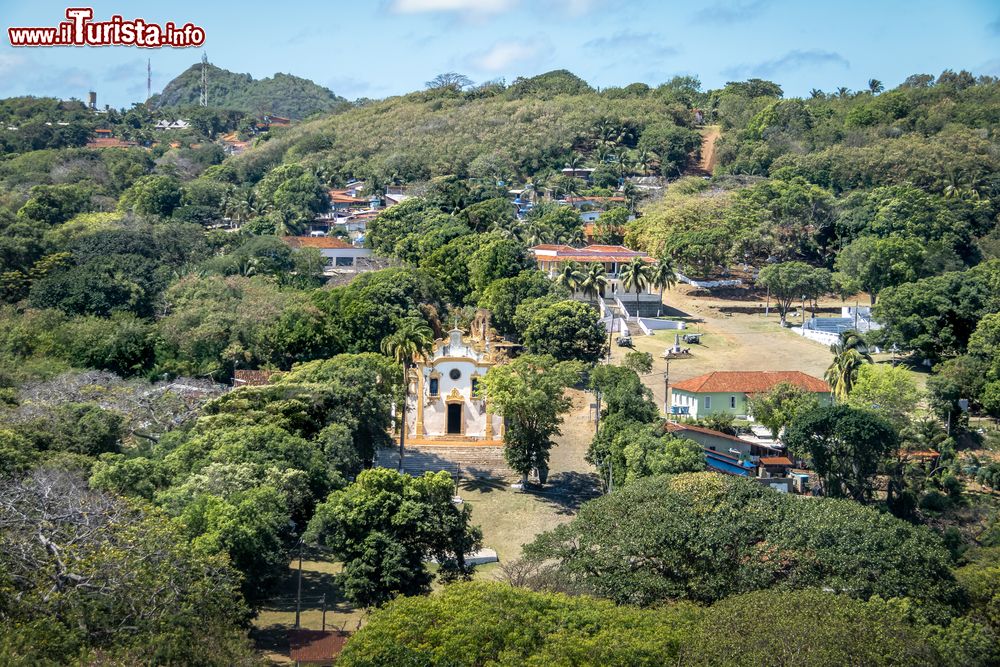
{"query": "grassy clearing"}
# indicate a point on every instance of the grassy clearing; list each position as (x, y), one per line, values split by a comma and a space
(278, 615)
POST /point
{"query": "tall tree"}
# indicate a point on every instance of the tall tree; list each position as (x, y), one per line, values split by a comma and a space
(570, 276)
(385, 525)
(529, 392)
(595, 281)
(412, 339)
(790, 281)
(847, 447)
(663, 277)
(635, 275)
(843, 371)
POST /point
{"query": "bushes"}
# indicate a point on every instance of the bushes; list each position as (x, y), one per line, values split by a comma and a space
(494, 624)
(704, 537)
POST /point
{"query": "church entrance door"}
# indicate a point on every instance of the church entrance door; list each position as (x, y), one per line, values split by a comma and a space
(454, 418)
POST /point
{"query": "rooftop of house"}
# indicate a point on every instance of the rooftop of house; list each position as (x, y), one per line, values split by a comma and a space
(577, 200)
(674, 427)
(589, 253)
(254, 378)
(776, 461)
(341, 197)
(310, 646)
(321, 242)
(109, 142)
(749, 382)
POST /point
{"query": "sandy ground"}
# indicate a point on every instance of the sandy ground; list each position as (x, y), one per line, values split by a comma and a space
(730, 342)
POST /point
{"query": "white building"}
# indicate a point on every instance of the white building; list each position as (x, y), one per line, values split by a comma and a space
(339, 254)
(445, 402)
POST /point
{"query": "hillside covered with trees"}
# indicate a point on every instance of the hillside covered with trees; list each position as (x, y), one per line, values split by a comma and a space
(281, 95)
(148, 508)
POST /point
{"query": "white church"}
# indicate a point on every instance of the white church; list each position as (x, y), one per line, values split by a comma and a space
(445, 404)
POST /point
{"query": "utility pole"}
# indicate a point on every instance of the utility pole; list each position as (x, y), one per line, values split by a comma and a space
(298, 596)
(597, 415)
(204, 80)
(666, 390)
(324, 611)
(149, 78)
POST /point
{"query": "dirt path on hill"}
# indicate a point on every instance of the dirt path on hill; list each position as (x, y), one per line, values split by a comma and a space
(709, 135)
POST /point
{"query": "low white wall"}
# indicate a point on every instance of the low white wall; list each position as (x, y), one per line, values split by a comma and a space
(735, 282)
(649, 325)
(619, 324)
(819, 336)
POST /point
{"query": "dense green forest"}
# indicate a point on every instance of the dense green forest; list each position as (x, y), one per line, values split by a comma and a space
(282, 95)
(136, 281)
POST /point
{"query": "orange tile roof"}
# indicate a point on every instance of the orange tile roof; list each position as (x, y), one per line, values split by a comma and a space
(750, 382)
(316, 646)
(589, 253)
(322, 242)
(342, 197)
(776, 461)
(110, 142)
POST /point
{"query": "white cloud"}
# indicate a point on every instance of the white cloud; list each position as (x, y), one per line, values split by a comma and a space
(504, 54)
(453, 6)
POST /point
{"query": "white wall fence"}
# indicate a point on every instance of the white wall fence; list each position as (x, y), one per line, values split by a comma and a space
(824, 337)
(649, 325)
(734, 282)
(620, 326)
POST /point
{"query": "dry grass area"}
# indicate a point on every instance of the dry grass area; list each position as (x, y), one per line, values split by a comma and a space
(730, 341)
(510, 518)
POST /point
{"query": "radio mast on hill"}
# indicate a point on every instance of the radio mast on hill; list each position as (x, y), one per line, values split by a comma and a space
(149, 78)
(204, 79)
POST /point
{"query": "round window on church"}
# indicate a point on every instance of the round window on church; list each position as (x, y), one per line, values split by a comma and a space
(454, 374)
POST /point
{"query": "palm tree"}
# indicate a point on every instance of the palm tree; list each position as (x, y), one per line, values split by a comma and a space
(574, 162)
(624, 164)
(875, 86)
(635, 274)
(843, 91)
(645, 159)
(570, 276)
(663, 277)
(852, 340)
(843, 372)
(573, 237)
(816, 94)
(595, 280)
(413, 338)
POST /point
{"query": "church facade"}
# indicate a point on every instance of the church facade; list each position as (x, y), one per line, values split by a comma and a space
(445, 401)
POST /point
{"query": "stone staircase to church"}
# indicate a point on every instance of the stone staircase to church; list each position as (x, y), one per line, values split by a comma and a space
(459, 462)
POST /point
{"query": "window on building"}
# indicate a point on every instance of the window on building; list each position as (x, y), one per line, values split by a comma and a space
(345, 261)
(708, 402)
(434, 387)
(732, 401)
(454, 373)
(475, 387)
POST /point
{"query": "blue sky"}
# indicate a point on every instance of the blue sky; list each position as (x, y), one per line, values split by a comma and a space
(376, 48)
